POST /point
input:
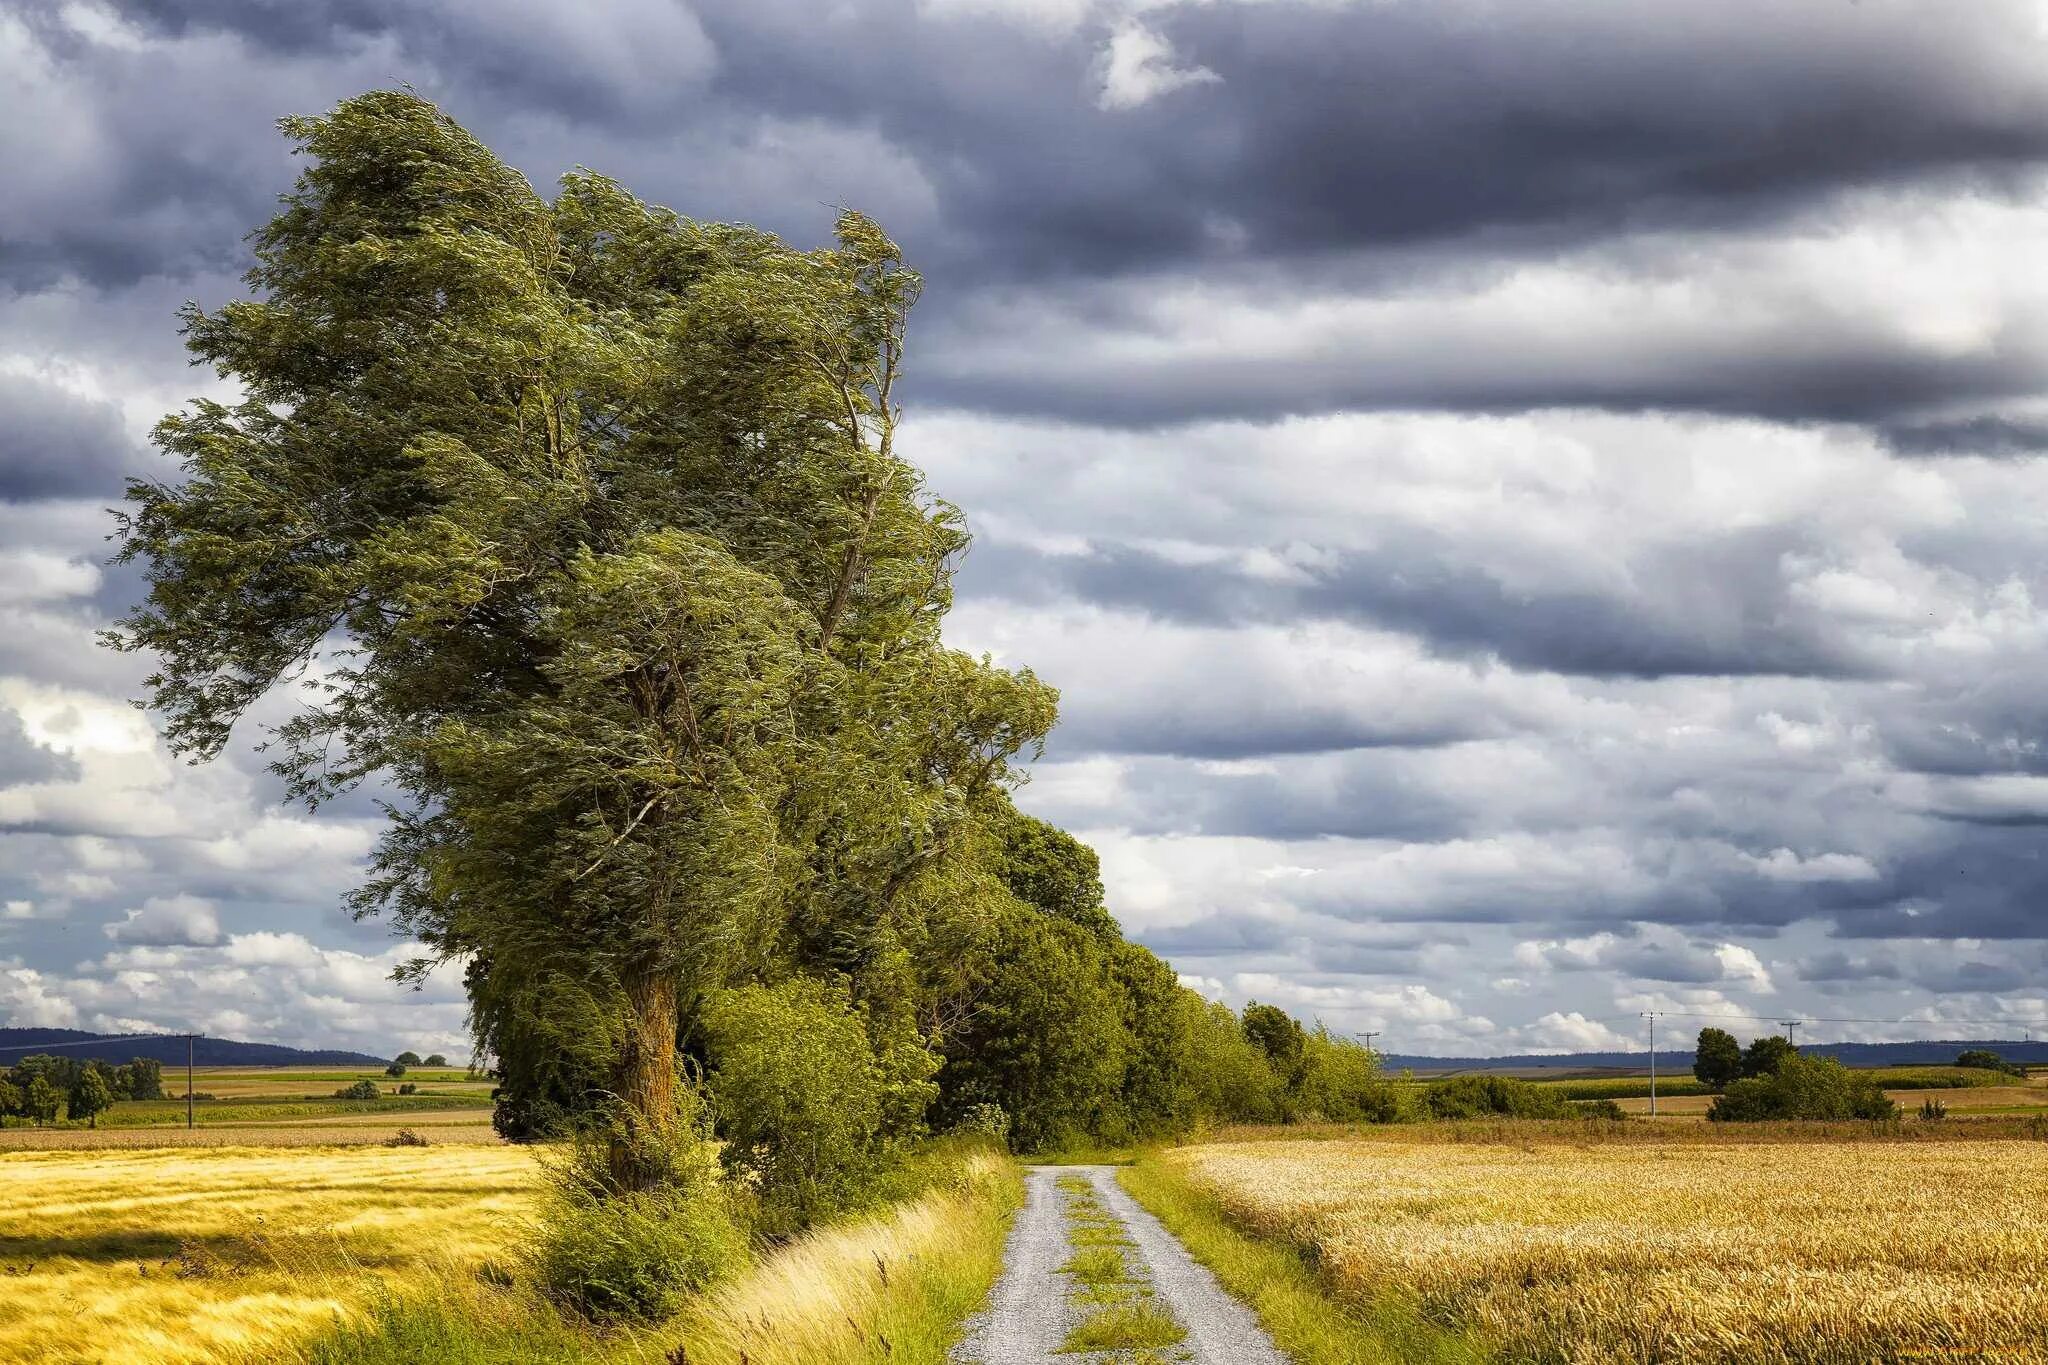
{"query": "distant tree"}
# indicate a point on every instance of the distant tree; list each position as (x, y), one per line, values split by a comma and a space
(1276, 1033)
(1803, 1088)
(90, 1096)
(1984, 1059)
(408, 1089)
(41, 1099)
(396, 1069)
(407, 1059)
(435, 1059)
(10, 1098)
(1766, 1055)
(361, 1090)
(1717, 1058)
(145, 1079)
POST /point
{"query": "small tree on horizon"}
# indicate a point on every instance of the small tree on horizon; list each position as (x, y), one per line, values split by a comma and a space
(407, 1059)
(1717, 1058)
(435, 1059)
(41, 1100)
(90, 1096)
(1767, 1055)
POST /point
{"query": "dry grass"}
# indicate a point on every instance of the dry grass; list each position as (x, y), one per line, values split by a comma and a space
(892, 1287)
(1680, 1251)
(192, 1254)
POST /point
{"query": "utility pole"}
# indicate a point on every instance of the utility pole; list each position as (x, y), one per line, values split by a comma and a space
(1370, 1036)
(188, 1082)
(1651, 1015)
(1790, 1025)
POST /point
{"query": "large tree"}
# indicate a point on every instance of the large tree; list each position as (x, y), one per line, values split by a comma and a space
(580, 527)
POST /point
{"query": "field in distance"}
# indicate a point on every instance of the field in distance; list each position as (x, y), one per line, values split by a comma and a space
(1548, 1247)
(278, 1106)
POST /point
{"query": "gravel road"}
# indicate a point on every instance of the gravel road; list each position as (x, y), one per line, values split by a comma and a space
(1029, 1314)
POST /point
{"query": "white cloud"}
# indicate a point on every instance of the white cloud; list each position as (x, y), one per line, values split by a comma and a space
(169, 920)
(1138, 67)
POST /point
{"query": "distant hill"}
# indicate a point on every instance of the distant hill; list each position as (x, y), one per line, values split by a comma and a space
(16, 1043)
(1849, 1054)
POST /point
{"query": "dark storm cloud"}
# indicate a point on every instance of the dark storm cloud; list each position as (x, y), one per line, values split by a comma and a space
(1717, 609)
(55, 444)
(1993, 436)
(1329, 128)
(22, 760)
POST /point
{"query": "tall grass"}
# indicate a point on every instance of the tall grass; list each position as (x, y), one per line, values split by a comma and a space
(889, 1288)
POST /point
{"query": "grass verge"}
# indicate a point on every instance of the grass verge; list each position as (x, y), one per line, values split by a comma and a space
(1306, 1320)
(890, 1287)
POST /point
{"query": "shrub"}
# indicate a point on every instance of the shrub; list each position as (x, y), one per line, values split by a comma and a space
(1473, 1097)
(812, 1096)
(1765, 1055)
(1804, 1088)
(1932, 1109)
(361, 1090)
(1232, 1079)
(435, 1059)
(1606, 1110)
(1341, 1081)
(408, 1089)
(612, 1254)
(1984, 1059)
(406, 1137)
(983, 1120)
(395, 1070)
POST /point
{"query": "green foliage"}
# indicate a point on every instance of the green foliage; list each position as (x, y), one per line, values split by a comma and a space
(1276, 1033)
(1717, 1058)
(813, 1097)
(1471, 1097)
(1803, 1088)
(39, 1100)
(1229, 1074)
(1051, 870)
(1933, 1109)
(10, 1098)
(408, 1089)
(1984, 1059)
(361, 1090)
(1766, 1055)
(142, 1079)
(89, 1098)
(641, 608)
(435, 1059)
(1046, 1041)
(407, 1058)
(1342, 1082)
(395, 1070)
(612, 1254)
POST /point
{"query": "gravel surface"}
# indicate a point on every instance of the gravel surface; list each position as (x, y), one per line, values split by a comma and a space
(1029, 1315)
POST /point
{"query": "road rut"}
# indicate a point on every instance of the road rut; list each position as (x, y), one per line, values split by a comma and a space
(1033, 1307)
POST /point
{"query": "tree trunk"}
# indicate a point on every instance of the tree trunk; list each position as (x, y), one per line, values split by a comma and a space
(646, 1079)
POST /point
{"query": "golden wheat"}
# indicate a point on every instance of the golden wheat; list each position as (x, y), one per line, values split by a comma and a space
(1772, 1254)
(193, 1253)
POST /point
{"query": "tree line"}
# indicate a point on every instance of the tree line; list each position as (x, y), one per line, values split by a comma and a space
(35, 1088)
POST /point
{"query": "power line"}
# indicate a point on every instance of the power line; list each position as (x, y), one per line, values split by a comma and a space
(95, 1042)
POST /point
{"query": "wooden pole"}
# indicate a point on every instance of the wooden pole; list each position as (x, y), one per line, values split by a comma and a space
(188, 1082)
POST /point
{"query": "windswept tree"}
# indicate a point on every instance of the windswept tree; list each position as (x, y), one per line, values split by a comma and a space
(580, 527)
(1717, 1058)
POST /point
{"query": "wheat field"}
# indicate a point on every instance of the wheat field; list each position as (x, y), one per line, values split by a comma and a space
(1763, 1253)
(189, 1254)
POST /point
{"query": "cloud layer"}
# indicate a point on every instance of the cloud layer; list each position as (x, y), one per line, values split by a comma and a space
(1535, 510)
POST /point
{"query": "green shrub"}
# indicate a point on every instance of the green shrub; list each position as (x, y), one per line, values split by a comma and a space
(361, 1090)
(1803, 1088)
(983, 1120)
(611, 1254)
(1475, 1097)
(1607, 1110)
(1984, 1059)
(813, 1097)
(1341, 1081)
(1932, 1109)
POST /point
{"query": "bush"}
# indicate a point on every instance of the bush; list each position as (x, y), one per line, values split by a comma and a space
(1803, 1088)
(613, 1254)
(361, 1090)
(1605, 1110)
(395, 1070)
(983, 1120)
(1932, 1109)
(408, 1089)
(1984, 1059)
(812, 1096)
(406, 1137)
(1476, 1097)
(1765, 1055)
(1341, 1081)
(1232, 1080)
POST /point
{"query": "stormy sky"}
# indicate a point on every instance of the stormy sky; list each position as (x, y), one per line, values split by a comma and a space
(1536, 509)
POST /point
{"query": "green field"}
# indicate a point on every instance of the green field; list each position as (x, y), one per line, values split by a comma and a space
(256, 1096)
